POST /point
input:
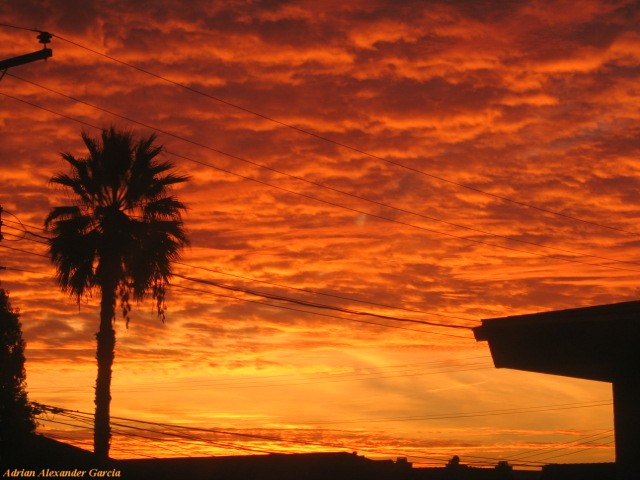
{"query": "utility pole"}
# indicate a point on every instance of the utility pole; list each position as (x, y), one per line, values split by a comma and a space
(44, 38)
(1, 237)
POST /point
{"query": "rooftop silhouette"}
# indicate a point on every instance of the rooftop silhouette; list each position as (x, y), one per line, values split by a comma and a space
(594, 343)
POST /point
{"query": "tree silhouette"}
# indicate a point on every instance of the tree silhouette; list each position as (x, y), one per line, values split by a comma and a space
(16, 414)
(120, 237)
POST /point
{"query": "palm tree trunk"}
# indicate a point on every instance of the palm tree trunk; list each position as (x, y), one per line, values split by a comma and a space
(106, 339)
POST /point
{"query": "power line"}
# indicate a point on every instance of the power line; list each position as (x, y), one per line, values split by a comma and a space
(346, 146)
(448, 416)
(319, 314)
(268, 438)
(189, 437)
(119, 432)
(24, 251)
(407, 224)
(300, 302)
(546, 451)
(278, 297)
(565, 446)
(271, 438)
(75, 441)
(483, 413)
(291, 300)
(546, 459)
(282, 306)
(464, 238)
(174, 427)
(25, 225)
(22, 237)
(27, 102)
(316, 305)
(332, 295)
(85, 417)
(20, 28)
(23, 228)
(14, 216)
(342, 192)
(4, 223)
(334, 204)
(16, 239)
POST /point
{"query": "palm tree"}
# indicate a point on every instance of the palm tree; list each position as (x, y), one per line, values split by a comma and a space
(120, 237)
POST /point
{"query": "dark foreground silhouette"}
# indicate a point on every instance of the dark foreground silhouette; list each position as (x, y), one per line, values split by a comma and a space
(47, 458)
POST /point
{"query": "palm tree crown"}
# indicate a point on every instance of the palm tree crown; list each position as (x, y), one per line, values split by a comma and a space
(124, 227)
(120, 236)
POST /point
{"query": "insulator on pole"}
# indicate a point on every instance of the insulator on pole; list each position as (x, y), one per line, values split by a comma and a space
(44, 38)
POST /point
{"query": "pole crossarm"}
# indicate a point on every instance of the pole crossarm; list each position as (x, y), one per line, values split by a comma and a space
(26, 58)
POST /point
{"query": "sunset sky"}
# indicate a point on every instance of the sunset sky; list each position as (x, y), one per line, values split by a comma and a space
(440, 161)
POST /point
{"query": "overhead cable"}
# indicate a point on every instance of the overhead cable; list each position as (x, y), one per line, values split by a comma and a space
(341, 192)
(346, 146)
(307, 303)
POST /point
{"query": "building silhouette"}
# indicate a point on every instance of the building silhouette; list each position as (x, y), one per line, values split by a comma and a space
(595, 343)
